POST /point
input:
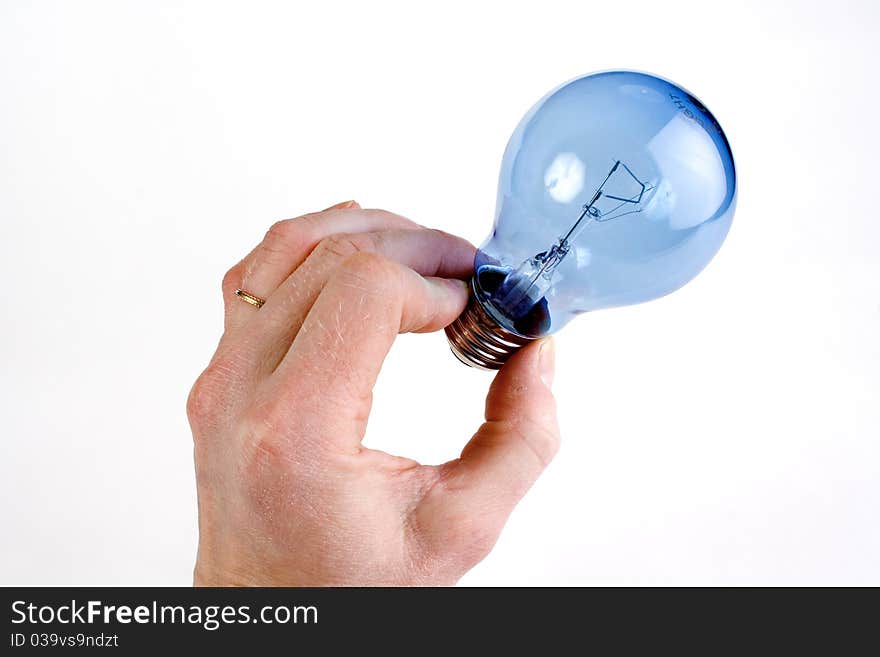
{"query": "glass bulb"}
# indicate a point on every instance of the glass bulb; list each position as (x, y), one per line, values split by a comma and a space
(615, 188)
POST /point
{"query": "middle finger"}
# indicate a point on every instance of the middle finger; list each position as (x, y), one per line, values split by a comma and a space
(427, 252)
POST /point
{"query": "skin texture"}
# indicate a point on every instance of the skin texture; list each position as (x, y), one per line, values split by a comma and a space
(287, 493)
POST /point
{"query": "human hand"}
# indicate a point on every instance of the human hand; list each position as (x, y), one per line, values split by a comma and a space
(287, 494)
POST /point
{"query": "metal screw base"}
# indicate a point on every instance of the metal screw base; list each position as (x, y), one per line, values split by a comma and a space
(479, 341)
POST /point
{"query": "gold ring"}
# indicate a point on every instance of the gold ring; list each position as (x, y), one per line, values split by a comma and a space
(250, 298)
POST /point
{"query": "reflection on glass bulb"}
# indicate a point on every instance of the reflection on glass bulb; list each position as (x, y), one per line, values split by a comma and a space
(564, 178)
(615, 188)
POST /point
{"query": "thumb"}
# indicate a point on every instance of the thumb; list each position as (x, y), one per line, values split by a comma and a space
(521, 434)
(511, 449)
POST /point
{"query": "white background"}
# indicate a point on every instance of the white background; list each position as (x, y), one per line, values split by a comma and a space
(726, 434)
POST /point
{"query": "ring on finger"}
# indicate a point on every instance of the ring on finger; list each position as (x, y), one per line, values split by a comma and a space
(252, 299)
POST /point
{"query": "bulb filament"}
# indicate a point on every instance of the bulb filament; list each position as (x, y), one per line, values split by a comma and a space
(526, 285)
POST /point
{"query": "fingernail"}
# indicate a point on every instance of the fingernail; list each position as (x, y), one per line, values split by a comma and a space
(458, 287)
(547, 362)
(459, 284)
(343, 205)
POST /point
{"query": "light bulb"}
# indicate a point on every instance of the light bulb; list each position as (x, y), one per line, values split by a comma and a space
(615, 188)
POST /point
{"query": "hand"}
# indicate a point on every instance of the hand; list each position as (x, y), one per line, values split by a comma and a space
(287, 493)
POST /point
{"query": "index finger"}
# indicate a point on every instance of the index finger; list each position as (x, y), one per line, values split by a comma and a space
(335, 358)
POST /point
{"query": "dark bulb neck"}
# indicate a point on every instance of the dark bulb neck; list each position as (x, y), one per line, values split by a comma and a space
(479, 341)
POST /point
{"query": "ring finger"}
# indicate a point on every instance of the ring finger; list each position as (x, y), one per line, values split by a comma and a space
(286, 246)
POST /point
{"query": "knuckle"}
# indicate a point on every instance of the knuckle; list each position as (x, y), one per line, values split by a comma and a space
(281, 229)
(344, 245)
(208, 398)
(285, 236)
(542, 441)
(263, 472)
(261, 451)
(370, 268)
(274, 440)
(203, 400)
(232, 280)
(374, 275)
(278, 232)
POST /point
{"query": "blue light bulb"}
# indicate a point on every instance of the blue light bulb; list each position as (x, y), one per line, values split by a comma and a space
(616, 188)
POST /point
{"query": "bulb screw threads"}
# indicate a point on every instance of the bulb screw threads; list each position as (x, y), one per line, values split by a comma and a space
(479, 341)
